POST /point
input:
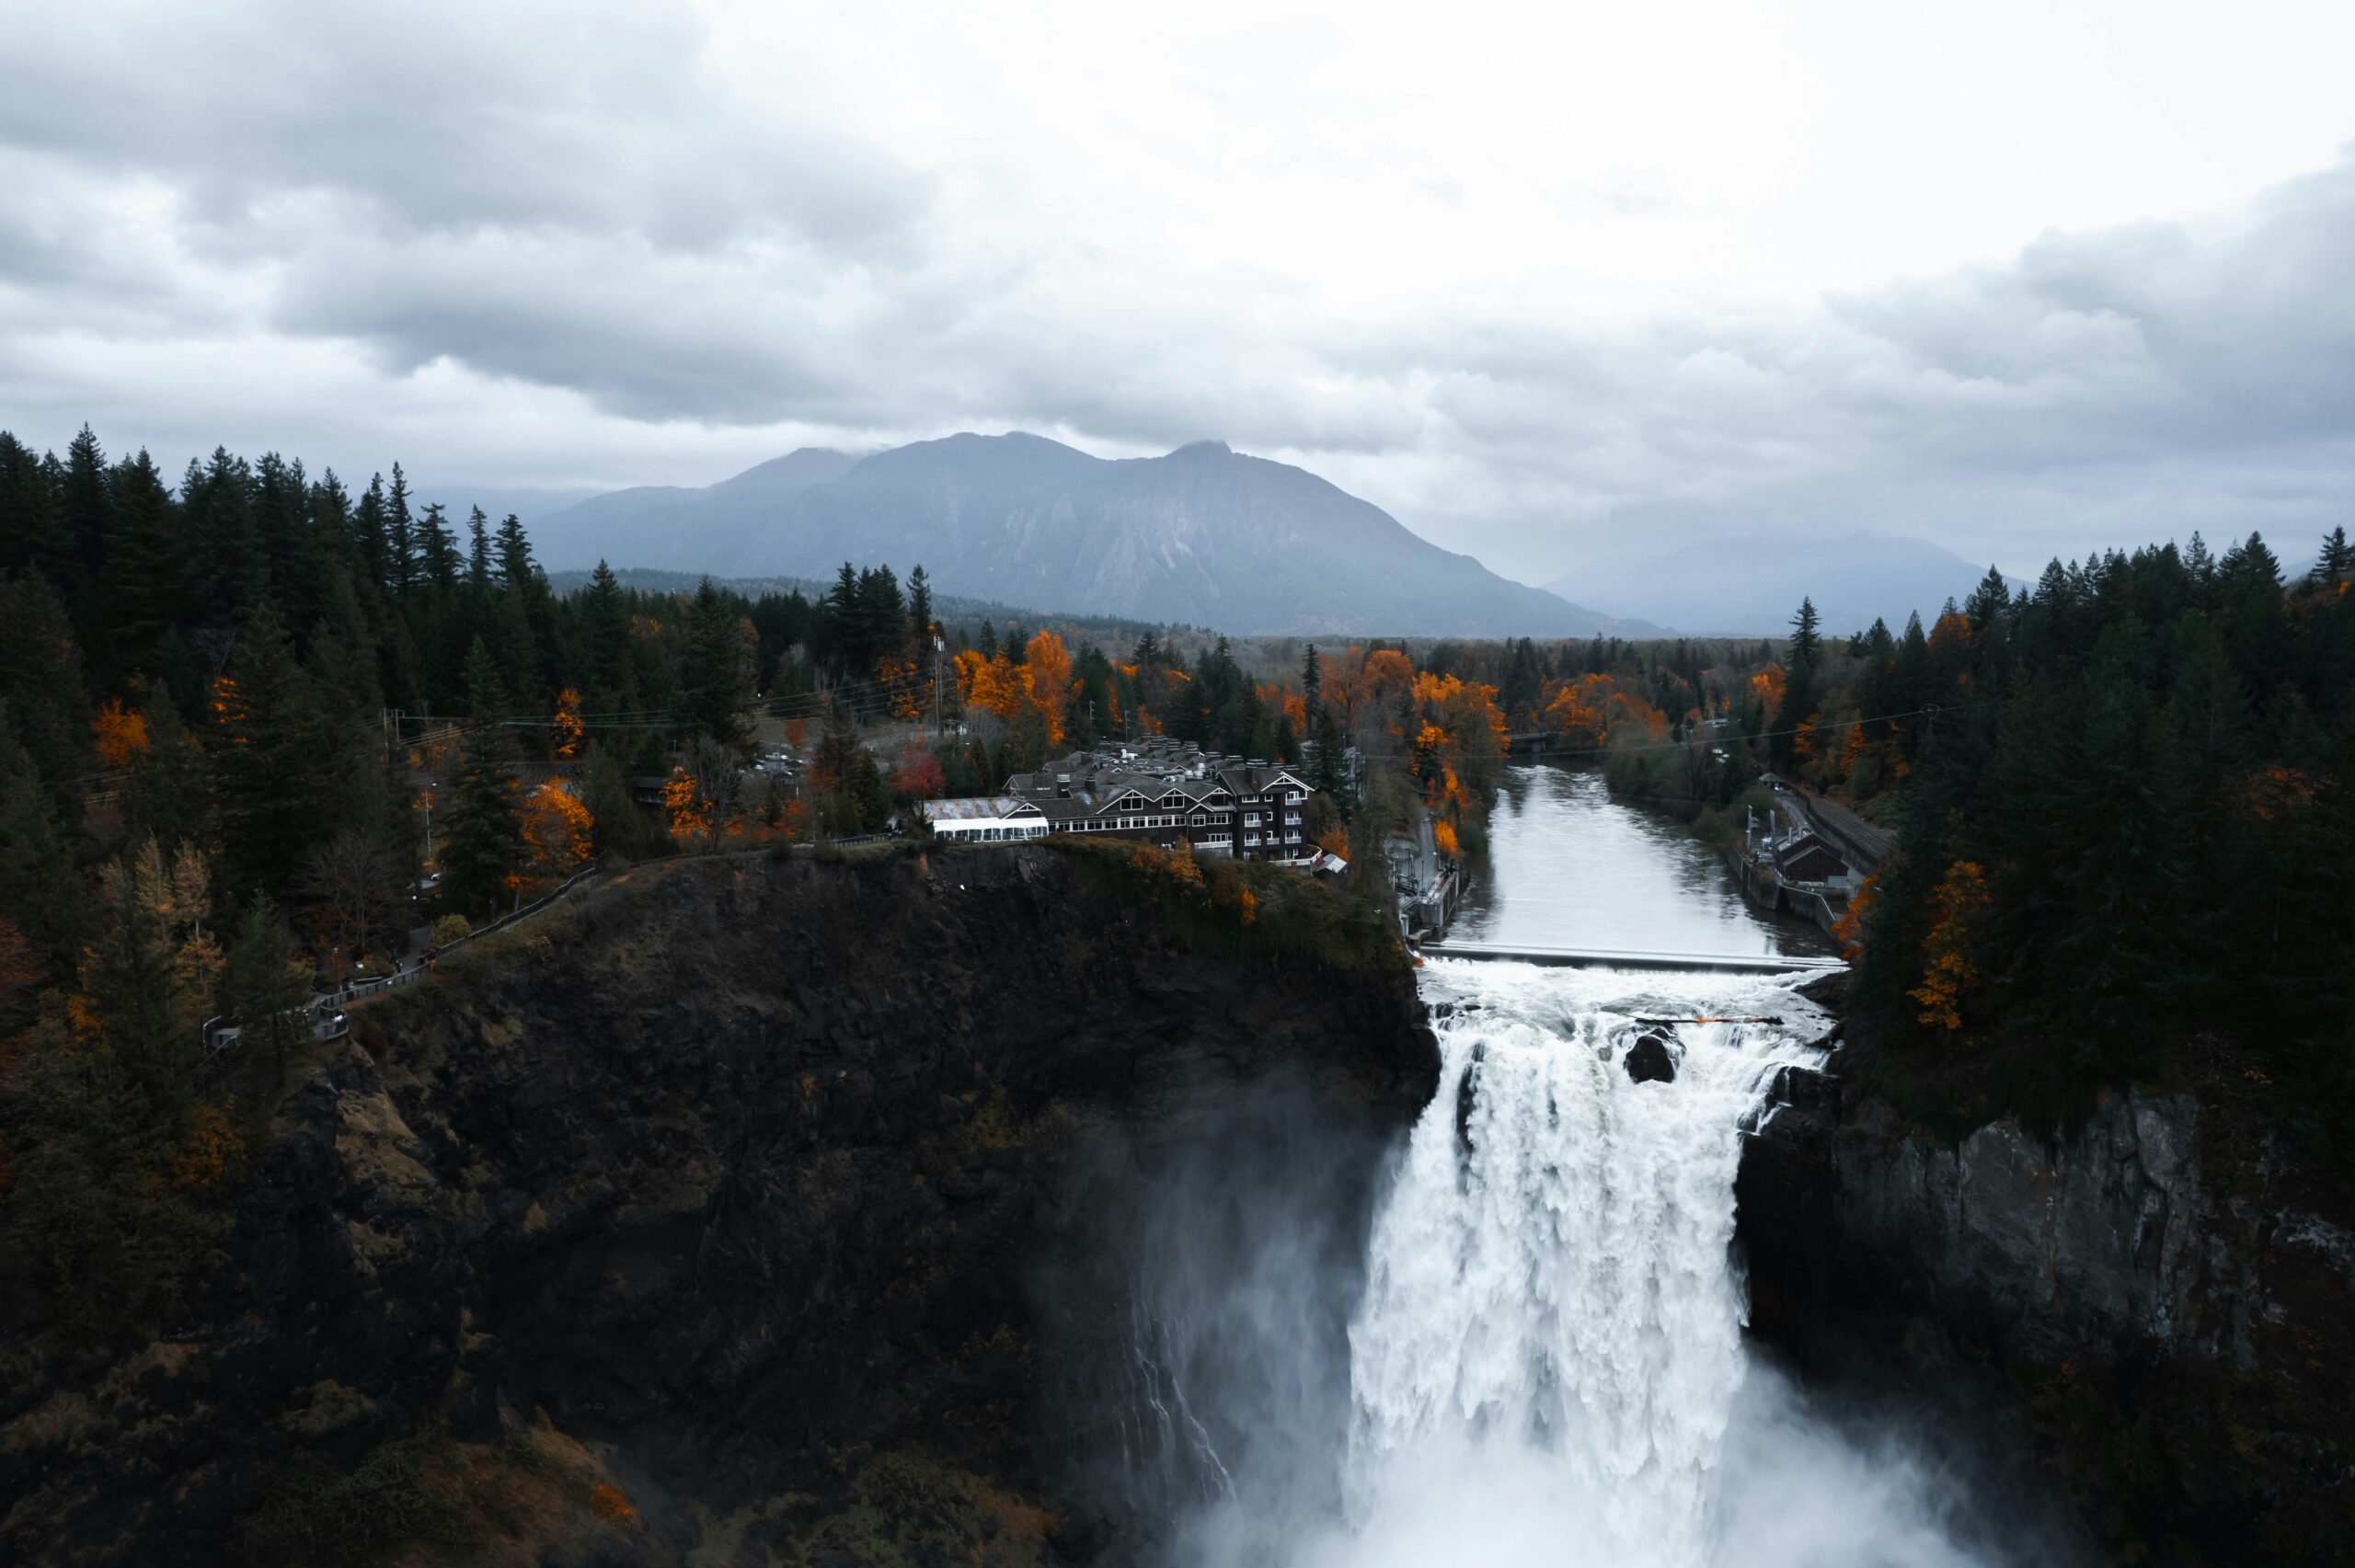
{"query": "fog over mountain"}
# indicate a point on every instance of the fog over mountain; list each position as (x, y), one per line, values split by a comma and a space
(1203, 534)
(1751, 585)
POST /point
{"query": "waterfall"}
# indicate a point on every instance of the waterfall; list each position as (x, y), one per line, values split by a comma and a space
(1548, 1349)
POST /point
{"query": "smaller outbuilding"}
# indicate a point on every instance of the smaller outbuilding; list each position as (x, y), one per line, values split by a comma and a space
(986, 819)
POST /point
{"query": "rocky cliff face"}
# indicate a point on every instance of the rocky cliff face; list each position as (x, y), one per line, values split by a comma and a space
(2175, 1306)
(687, 1223)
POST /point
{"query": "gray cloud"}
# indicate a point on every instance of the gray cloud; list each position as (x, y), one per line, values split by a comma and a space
(565, 215)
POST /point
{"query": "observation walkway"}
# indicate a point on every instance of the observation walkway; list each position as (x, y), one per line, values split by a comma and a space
(1621, 959)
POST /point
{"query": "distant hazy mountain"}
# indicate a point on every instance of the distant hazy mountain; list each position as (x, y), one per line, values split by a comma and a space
(677, 526)
(1752, 587)
(1201, 535)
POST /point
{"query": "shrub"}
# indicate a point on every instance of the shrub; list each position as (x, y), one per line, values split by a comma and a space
(451, 928)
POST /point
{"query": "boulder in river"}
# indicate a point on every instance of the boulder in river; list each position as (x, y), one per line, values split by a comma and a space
(1650, 1061)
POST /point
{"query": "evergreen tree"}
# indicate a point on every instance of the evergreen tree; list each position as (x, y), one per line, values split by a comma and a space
(1988, 601)
(148, 977)
(479, 559)
(482, 848)
(371, 534)
(1798, 706)
(717, 672)
(271, 756)
(2337, 563)
(1311, 680)
(266, 987)
(605, 616)
(437, 550)
(920, 611)
(142, 564)
(224, 563)
(514, 552)
(30, 537)
(1329, 771)
(38, 889)
(400, 539)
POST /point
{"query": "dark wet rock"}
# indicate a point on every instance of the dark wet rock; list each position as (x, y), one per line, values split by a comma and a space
(2157, 1285)
(716, 1186)
(1651, 1060)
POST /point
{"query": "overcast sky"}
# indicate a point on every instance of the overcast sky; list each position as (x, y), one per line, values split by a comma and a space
(1548, 284)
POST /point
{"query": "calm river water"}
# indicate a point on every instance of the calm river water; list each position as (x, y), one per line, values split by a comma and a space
(1569, 866)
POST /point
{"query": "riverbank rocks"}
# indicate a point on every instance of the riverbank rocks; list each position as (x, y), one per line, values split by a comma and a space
(1650, 1060)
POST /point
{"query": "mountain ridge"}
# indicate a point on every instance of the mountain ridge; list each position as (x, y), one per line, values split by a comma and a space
(1201, 534)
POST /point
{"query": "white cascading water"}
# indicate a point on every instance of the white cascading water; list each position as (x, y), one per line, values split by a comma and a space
(1549, 1347)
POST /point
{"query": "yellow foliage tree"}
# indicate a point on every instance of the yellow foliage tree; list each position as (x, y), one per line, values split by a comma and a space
(564, 727)
(1948, 973)
(1849, 929)
(683, 803)
(556, 828)
(1048, 665)
(118, 734)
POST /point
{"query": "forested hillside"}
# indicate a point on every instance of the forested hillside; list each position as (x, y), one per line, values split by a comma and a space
(2125, 805)
(258, 730)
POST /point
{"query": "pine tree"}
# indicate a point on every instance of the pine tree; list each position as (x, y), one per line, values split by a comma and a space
(372, 534)
(717, 671)
(223, 560)
(268, 987)
(605, 632)
(2337, 563)
(146, 980)
(273, 763)
(38, 889)
(1312, 678)
(437, 550)
(920, 611)
(478, 558)
(514, 551)
(482, 848)
(143, 566)
(400, 540)
(1988, 601)
(1329, 774)
(30, 537)
(1798, 706)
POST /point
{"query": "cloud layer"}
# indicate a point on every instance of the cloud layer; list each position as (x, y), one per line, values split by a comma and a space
(598, 243)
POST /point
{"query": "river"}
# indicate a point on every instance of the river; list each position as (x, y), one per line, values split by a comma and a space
(1569, 866)
(1523, 1344)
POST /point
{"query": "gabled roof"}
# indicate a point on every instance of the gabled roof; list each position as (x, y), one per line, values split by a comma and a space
(983, 808)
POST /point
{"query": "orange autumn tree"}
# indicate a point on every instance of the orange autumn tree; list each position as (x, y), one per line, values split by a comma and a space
(118, 734)
(1048, 665)
(903, 682)
(1848, 931)
(1948, 972)
(564, 725)
(685, 809)
(1589, 710)
(999, 685)
(557, 831)
(1457, 750)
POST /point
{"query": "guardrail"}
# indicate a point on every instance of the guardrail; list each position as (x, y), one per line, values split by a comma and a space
(1617, 959)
